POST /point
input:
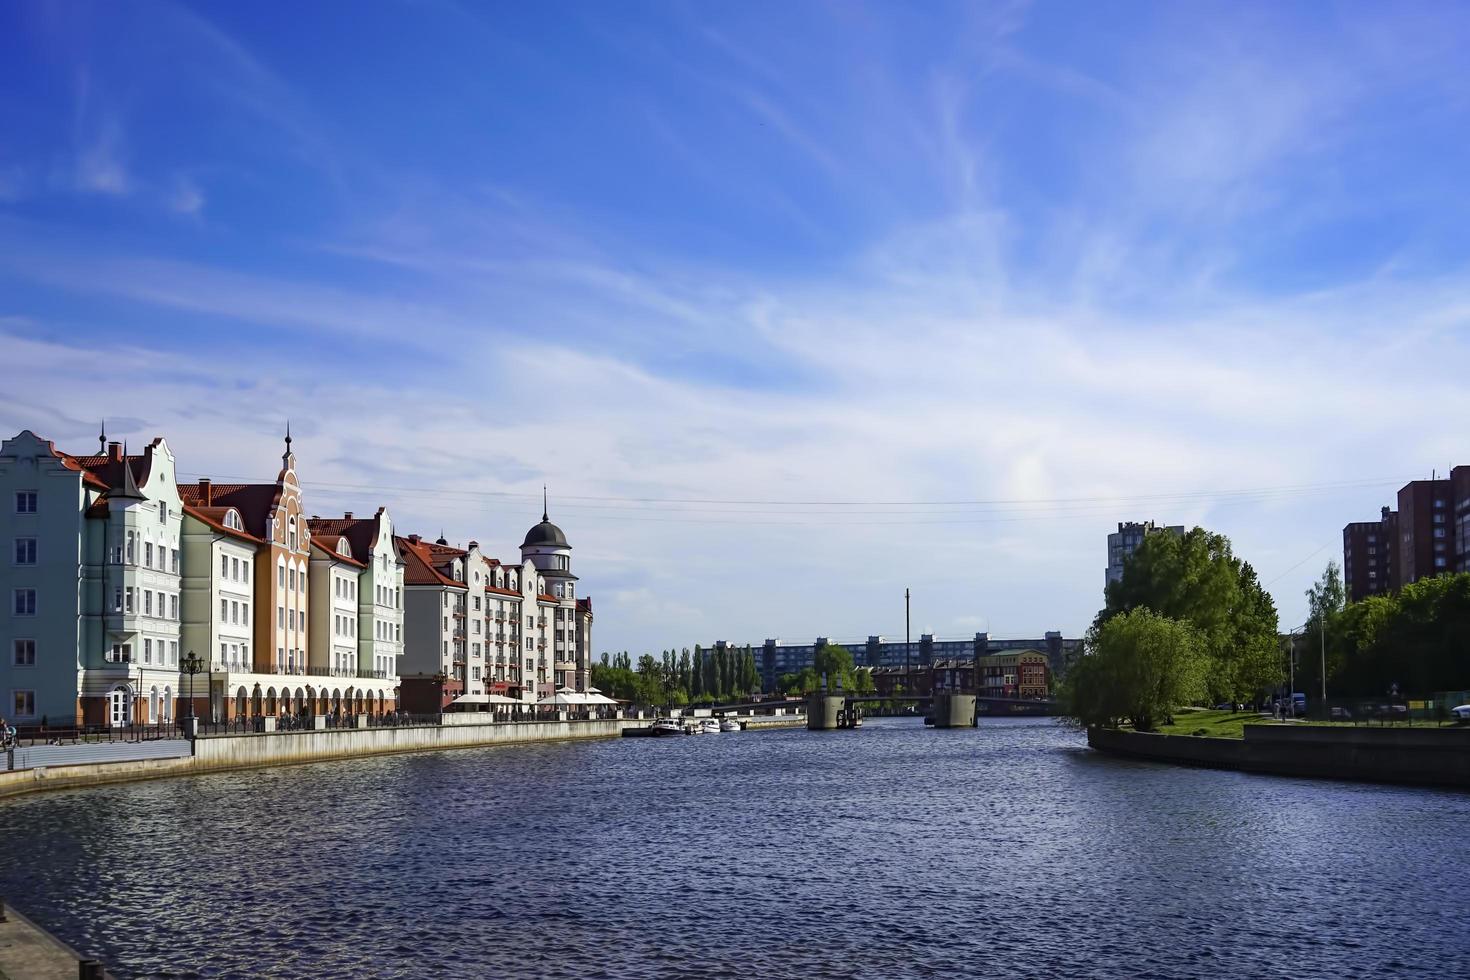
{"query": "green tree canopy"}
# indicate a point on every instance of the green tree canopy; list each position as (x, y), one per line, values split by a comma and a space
(1196, 579)
(1140, 667)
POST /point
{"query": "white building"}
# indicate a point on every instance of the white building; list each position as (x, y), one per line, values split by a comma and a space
(92, 588)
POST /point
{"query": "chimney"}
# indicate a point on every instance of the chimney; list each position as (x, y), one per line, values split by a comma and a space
(114, 451)
(414, 538)
(347, 516)
(206, 492)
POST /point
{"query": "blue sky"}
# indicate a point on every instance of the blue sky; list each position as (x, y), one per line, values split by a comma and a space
(792, 305)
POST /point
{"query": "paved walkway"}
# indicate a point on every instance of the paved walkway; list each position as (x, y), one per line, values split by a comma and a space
(28, 953)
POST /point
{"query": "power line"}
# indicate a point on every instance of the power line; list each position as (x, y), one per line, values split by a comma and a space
(614, 504)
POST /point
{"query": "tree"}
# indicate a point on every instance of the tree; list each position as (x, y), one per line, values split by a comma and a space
(1141, 666)
(834, 661)
(1322, 636)
(1195, 578)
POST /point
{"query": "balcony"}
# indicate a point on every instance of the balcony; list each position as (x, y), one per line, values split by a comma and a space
(377, 675)
(331, 671)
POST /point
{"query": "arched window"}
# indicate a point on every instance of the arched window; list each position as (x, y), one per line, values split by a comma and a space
(291, 532)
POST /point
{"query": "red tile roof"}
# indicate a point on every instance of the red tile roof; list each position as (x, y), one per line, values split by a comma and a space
(418, 567)
(214, 519)
(328, 544)
(254, 501)
(361, 532)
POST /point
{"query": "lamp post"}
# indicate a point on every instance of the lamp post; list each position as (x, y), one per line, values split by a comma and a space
(192, 665)
(440, 679)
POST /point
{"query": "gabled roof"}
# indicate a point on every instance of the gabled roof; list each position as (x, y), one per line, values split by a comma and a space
(329, 545)
(418, 565)
(254, 501)
(214, 519)
(361, 532)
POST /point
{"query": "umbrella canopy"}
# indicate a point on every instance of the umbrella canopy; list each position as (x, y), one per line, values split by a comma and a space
(470, 699)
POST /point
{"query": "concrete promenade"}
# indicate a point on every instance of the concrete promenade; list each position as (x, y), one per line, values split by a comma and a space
(28, 952)
(224, 752)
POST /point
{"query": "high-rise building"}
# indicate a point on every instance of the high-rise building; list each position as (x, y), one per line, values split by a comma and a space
(1429, 535)
(1123, 542)
(1368, 565)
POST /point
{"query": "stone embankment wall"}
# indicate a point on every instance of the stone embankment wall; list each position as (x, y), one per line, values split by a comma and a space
(286, 748)
(1422, 756)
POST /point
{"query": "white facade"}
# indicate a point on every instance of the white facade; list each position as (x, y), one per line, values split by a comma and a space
(91, 586)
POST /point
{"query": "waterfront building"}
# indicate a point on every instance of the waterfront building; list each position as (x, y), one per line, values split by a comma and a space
(219, 591)
(1023, 673)
(92, 584)
(545, 547)
(379, 590)
(1123, 542)
(776, 658)
(1428, 535)
(280, 672)
(476, 626)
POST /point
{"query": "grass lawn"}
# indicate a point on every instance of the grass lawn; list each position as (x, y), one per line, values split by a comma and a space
(1214, 724)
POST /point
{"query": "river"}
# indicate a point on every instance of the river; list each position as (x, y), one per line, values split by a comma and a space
(896, 850)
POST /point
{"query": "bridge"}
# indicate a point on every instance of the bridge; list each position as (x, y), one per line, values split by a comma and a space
(827, 710)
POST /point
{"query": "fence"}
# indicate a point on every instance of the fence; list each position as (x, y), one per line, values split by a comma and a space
(1431, 710)
(73, 735)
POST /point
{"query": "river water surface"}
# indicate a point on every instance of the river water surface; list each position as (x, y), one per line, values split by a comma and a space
(896, 850)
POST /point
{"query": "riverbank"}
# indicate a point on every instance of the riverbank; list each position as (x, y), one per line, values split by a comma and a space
(250, 751)
(1422, 756)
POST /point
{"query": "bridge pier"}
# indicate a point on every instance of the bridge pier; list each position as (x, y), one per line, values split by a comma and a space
(954, 711)
(823, 710)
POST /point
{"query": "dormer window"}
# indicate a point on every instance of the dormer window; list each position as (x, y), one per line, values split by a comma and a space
(232, 521)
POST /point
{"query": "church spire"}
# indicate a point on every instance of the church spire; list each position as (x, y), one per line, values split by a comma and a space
(545, 512)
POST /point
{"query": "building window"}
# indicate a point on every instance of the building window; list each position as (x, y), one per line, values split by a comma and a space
(24, 602)
(25, 501)
(147, 651)
(174, 560)
(291, 533)
(23, 653)
(163, 512)
(23, 704)
(25, 551)
(147, 602)
(148, 554)
(224, 566)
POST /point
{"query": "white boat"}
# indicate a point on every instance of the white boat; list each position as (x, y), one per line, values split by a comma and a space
(730, 725)
(709, 727)
(667, 726)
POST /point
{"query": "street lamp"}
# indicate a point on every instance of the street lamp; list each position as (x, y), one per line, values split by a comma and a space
(191, 666)
(440, 679)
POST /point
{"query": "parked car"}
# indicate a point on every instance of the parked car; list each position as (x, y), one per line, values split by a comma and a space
(1462, 714)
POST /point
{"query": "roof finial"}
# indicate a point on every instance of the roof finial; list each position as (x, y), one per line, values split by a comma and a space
(288, 435)
(102, 439)
(544, 510)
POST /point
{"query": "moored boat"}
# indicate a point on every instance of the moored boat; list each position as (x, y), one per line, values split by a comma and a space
(709, 726)
(667, 726)
(730, 725)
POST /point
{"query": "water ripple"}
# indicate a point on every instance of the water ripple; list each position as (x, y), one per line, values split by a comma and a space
(893, 851)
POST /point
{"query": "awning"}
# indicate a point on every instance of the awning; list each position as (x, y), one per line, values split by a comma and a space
(470, 699)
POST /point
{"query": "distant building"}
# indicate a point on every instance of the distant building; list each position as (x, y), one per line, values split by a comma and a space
(1368, 565)
(1429, 535)
(775, 658)
(1123, 542)
(1003, 674)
